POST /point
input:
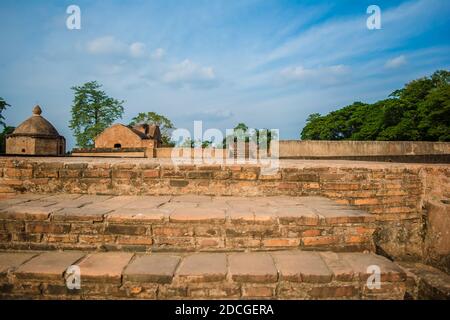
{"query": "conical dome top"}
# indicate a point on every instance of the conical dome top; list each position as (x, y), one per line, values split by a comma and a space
(37, 110)
(36, 125)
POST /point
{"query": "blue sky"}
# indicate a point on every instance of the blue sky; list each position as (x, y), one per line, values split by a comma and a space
(266, 63)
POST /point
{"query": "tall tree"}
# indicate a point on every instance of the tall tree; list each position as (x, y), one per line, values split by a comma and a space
(241, 132)
(6, 129)
(165, 125)
(3, 106)
(92, 112)
(418, 111)
(434, 114)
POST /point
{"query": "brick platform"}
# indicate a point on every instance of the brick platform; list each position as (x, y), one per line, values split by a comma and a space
(395, 193)
(182, 223)
(149, 229)
(275, 275)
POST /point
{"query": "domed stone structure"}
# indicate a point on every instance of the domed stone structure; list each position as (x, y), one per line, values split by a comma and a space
(36, 136)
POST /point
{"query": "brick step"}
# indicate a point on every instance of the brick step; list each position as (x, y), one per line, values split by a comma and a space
(182, 223)
(291, 274)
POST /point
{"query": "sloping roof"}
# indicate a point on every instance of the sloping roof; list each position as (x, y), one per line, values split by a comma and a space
(139, 133)
(36, 125)
(153, 132)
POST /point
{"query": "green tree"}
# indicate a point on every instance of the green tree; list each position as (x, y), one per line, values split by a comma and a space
(92, 112)
(434, 114)
(418, 111)
(3, 106)
(312, 129)
(241, 126)
(165, 125)
(187, 143)
(6, 129)
(240, 133)
(206, 143)
(243, 133)
(264, 139)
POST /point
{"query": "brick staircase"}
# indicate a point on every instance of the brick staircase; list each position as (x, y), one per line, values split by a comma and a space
(289, 274)
(182, 223)
(189, 247)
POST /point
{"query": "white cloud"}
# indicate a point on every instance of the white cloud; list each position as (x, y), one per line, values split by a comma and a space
(395, 62)
(321, 74)
(110, 45)
(212, 115)
(137, 49)
(189, 73)
(296, 73)
(158, 53)
(105, 45)
(338, 39)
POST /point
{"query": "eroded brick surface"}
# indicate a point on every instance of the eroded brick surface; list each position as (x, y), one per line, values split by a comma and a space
(48, 265)
(203, 267)
(10, 261)
(158, 268)
(392, 193)
(302, 266)
(281, 274)
(187, 223)
(104, 266)
(252, 267)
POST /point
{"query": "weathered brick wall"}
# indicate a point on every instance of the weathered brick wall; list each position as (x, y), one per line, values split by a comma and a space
(181, 289)
(437, 218)
(311, 148)
(384, 190)
(20, 145)
(203, 276)
(118, 134)
(98, 229)
(395, 193)
(50, 146)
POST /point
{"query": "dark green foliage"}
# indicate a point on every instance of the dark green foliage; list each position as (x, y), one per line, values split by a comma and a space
(419, 111)
(6, 129)
(150, 118)
(243, 133)
(92, 112)
(3, 106)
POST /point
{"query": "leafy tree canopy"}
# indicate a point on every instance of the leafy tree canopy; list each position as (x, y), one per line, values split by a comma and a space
(243, 133)
(92, 112)
(418, 111)
(3, 106)
(150, 118)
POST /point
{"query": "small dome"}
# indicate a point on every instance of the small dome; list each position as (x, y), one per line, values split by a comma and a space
(36, 125)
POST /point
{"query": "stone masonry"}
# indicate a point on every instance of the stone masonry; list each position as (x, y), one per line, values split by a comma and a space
(396, 194)
(148, 229)
(274, 275)
(182, 223)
